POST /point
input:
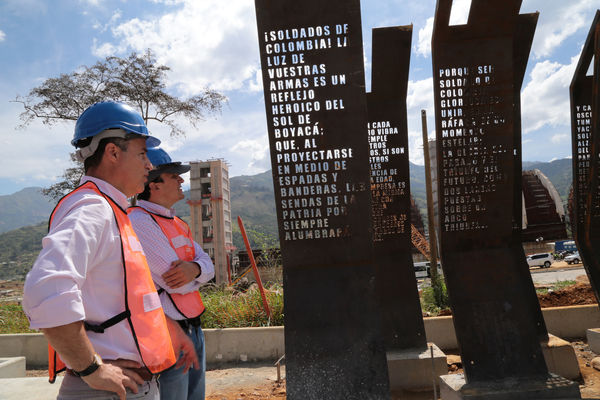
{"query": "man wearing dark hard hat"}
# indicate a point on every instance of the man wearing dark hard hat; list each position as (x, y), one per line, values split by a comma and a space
(90, 290)
(178, 266)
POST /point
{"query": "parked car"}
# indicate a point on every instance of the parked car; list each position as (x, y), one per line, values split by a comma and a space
(543, 260)
(423, 269)
(573, 258)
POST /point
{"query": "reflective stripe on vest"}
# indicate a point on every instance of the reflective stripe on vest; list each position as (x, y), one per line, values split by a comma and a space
(180, 237)
(143, 311)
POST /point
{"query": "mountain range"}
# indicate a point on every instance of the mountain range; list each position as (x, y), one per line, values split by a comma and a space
(24, 214)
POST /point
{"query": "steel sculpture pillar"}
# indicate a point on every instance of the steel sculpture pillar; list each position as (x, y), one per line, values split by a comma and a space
(313, 77)
(390, 189)
(478, 70)
(585, 128)
(408, 356)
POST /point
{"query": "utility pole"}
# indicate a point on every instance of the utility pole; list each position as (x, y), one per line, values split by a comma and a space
(435, 282)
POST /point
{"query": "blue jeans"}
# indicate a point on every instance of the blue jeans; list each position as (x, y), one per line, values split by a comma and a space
(175, 385)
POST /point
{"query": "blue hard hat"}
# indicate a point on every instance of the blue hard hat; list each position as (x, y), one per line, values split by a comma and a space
(158, 156)
(110, 114)
(162, 162)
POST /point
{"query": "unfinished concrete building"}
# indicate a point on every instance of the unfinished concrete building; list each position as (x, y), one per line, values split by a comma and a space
(543, 215)
(543, 210)
(210, 212)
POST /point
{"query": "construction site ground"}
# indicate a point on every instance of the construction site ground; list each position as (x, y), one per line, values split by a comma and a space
(257, 382)
(254, 381)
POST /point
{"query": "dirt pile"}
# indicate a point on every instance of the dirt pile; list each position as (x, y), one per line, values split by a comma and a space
(577, 294)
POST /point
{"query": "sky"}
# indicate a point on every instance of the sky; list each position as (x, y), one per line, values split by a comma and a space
(214, 44)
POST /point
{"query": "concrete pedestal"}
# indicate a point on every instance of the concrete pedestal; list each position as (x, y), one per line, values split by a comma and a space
(29, 388)
(412, 369)
(561, 358)
(593, 339)
(454, 387)
(12, 367)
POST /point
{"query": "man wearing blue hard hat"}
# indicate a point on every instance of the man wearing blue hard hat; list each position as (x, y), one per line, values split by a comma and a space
(90, 290)
(178, 265)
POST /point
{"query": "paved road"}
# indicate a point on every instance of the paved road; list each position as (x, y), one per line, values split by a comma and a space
(557, 274)
(559, 271)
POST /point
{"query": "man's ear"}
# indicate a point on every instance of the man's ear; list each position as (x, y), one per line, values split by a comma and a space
(112, 152)
(153, 186)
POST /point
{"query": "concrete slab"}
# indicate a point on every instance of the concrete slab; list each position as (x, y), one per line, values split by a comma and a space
(12, 367)
(454, 387)
(561, 358)
(32, 346)
(593, 339)
(414, 369)
(29, 388)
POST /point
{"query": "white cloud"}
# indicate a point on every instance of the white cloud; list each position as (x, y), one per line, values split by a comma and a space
(258, 152)
(545, 99)
(256, 85)
(460, 12)
(2, 36)
(423, 46)
(458, 15)
(168, 2)
(104, 50)
(117, 14)
(209, 43)
(38, 153)
(419, 97)
(558, 21)
(560, 138)
(237, 136)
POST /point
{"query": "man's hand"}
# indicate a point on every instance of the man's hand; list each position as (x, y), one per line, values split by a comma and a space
(182, 344)
(181, 272)
(115, 376)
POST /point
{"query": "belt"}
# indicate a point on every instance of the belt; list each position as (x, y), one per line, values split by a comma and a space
(142, 372)
(187, 323)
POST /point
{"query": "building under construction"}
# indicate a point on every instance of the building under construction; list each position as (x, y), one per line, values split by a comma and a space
(210, 212)
(543, 211)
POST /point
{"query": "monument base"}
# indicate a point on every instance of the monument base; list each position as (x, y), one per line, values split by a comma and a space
(593, 339)
(561, 358)
(454, 387)
(412, 369)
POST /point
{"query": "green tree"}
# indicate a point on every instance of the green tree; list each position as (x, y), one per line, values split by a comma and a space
(137, 80)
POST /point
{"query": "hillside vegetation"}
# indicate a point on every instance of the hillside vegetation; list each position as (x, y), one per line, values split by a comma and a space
(18, 250)
(25, 207)
(252, 198)
(560, 173)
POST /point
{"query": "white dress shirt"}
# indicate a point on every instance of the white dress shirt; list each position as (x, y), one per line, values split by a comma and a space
(78, 275)
(160, 254)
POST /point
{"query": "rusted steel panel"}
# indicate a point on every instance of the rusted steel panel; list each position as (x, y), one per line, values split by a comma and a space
(478, 71)
(403, 326)
(585, 128)
(313, 78)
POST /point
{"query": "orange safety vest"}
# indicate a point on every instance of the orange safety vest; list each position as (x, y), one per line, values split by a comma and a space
(180, 237)
(143, 312)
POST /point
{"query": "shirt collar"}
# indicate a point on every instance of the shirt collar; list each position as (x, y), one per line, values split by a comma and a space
(156, 208)
(108, 190)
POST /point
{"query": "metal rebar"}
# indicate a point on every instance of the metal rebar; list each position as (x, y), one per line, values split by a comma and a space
(278, 365)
